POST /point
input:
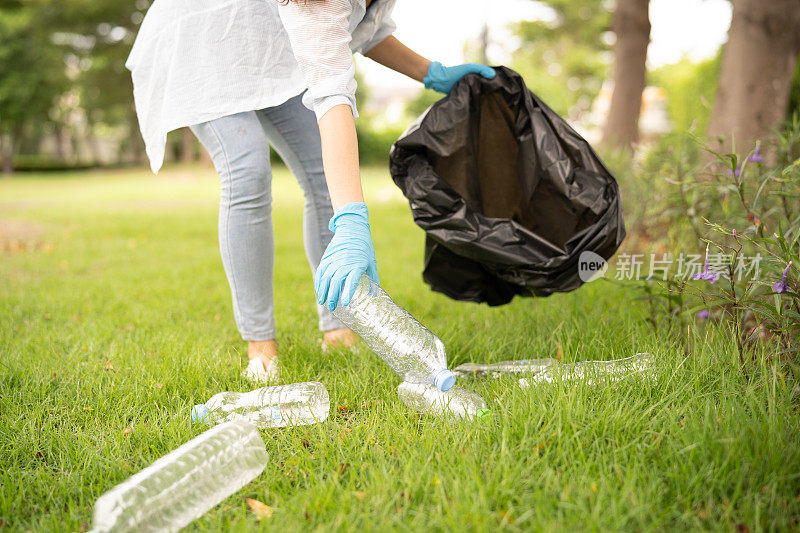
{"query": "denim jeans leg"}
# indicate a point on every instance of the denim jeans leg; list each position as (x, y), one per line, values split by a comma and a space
(240, 152)
(293, 131)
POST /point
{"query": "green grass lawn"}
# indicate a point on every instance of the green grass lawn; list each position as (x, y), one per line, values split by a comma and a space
(115, 319)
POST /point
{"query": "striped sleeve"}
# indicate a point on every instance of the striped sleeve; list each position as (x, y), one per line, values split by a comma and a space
(385, 29)
(318, 33)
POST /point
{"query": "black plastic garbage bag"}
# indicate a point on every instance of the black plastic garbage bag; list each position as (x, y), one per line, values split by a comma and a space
(508, 193)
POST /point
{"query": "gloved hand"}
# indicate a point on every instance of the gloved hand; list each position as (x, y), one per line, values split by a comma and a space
(442, 79)
(348, 256)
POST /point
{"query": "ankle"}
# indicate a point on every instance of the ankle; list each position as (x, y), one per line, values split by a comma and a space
(342, 337)
(264, 350)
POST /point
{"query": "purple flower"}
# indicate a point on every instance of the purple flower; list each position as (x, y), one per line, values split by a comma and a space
(703, 314)
(756, 157)
(737, 172)
(706, 274)
(781, 286)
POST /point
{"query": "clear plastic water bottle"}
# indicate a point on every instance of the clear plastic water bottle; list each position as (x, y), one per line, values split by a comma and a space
(185, 483)
(268, 407)
(522, 366)
(416, 354)
(456, 402)
(594, 372)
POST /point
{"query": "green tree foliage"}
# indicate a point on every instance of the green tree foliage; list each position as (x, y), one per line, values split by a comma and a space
(564, 60)
(690, 89)
(32, 72)
(52, 48)
(794, 97)
(99, 34)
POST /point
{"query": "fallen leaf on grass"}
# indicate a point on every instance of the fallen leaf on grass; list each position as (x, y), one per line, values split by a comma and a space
(108, 365)
(261, 509)
(127, 431)
(541, 445)
(505, 516)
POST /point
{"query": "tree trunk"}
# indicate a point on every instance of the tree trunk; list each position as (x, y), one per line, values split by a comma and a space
(135, 141)
(75, 147)
(756, 74)
(93, 142)
(6, 154)
(187, 145)
(205, 157)
(58, 139)
(632, 28)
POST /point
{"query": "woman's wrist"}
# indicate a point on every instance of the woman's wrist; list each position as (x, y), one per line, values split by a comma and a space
(340, 156)
(395, 55)
(422, 69)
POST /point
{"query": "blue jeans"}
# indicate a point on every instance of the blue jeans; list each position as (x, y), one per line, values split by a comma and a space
(239, 147)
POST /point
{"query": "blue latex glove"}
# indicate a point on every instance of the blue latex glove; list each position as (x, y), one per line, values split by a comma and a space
(348, 256)
(442, 79)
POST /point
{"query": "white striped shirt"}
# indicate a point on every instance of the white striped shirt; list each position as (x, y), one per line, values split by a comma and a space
(199, 60)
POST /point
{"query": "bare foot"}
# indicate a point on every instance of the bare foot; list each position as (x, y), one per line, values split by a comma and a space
(339, 338)
(264, 350)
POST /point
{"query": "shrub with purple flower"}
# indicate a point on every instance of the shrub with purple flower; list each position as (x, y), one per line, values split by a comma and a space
(749, 206)
(781, 286)
(706, 274)
(756, 157)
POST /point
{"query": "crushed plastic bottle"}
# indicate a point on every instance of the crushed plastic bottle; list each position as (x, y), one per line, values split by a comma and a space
(268, 407)
(456, 402)
(185, 483)
(594, 372)
(416, 354)
(522, 366)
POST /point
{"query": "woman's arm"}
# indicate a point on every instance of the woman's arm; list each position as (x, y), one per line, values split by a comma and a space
(337, 129)
(318, 33)
(350, 253)
(395, 55)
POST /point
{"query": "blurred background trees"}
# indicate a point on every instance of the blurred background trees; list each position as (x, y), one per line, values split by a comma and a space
(632, 30)
(565, 58)
(758, 67)
(66, 97)
(32, 78)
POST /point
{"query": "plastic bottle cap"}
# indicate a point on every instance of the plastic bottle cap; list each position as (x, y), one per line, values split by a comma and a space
(199, 412)
(482, 412)
(444, 380)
